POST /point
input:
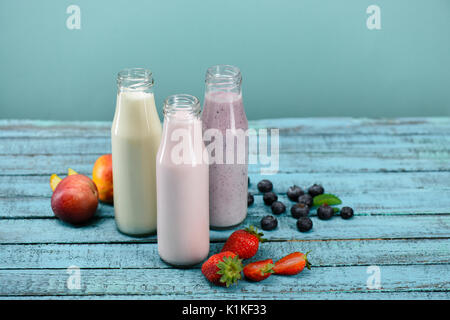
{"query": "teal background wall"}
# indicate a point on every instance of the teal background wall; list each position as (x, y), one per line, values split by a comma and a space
(298, 58)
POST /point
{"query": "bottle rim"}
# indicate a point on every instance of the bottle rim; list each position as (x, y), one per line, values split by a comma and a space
(135, 78)
(223, 74)
(181, 102)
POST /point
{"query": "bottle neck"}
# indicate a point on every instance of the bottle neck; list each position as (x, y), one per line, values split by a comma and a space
(181, 107)
(223, 78)
(135, 80)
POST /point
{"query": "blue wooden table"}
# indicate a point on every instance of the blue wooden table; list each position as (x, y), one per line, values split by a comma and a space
(395, 174)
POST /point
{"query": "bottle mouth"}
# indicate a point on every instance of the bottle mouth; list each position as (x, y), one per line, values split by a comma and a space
(184, 103)
(135, 79)
(223, 74)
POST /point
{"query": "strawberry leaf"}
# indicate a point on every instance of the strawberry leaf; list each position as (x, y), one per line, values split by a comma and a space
(254, 231)
(268, 268)
(327, 198)
(230, 269)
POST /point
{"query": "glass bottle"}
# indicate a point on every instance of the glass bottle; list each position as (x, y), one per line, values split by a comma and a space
(225, 120)
(182, 184)
(135, 138)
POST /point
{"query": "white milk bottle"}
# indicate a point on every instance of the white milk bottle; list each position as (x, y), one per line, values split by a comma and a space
(182, 184)
(135, 138)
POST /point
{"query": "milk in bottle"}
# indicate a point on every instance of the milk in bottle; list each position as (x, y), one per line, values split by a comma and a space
(135, 137)
(182, 184)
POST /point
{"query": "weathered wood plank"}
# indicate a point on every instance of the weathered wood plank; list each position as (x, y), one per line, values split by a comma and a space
(409, 156)
(371, 193)
(318, 152)
(354, 126)
(145, 255)
(416, 202)
(103, 230)
(168, 283)
(296, 126)
(339, 183)
(47, 128)
(401, 145)
(338, 295)
(288, 163)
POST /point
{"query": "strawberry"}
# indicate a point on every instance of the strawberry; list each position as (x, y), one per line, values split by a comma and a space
(259, 270)
(292, 264)
(223, 268)
(244, 242)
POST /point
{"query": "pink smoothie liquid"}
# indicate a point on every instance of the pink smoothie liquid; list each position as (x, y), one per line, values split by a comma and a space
(228, 185)
(182, 195)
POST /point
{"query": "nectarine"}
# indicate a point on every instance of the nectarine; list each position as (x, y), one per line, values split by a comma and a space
(75, 199)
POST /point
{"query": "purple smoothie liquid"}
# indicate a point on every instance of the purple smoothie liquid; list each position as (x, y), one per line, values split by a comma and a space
(228, 183)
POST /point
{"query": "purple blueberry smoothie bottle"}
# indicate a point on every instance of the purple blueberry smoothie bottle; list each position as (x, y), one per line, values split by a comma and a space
(225, 127)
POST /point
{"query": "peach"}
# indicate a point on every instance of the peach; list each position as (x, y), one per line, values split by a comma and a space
(103, 178)
(70, 172)
(75, 199)
(54, 181)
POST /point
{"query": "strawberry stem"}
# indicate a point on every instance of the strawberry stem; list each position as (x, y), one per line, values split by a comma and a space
(308, 264)
(230, 269)
(268, 268)
(254, 231)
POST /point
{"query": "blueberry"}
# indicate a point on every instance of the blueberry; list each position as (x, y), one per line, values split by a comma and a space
(325, 212)
(294, 192)
(304, 224)
(269, 223)
(278, 207)
(346, 213)
(265, 186)
(250, 199)
(315, 190)
(270, 197)
(299, 210)
(306, 199)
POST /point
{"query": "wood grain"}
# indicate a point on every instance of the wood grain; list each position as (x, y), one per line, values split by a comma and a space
(337, 295)
(395, 173)
(385, 203)
(370, 193)
(339, 183)
(406, 146)
(287, 126)
(172, 284)
(104, 230)
(145, 255)
(306, 162)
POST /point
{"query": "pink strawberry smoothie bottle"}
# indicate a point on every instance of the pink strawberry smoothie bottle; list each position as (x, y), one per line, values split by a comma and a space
(225, 126)
(182, 184)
